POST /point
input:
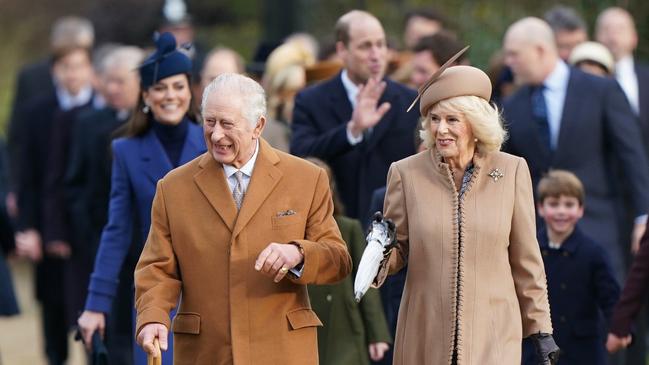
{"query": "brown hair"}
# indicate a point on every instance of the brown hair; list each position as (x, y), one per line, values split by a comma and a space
(61, 52)
(560, 182)
(140, 121)
(339, 208)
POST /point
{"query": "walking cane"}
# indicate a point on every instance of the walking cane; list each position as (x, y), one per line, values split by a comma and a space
(153, 359)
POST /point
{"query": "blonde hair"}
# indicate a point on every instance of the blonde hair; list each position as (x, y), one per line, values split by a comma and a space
(485, 120)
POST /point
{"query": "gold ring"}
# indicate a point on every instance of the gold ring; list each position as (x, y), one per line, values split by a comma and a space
(283, 270)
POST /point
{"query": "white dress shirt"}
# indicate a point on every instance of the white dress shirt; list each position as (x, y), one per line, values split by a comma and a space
(628, 80)
(68, 101)
(554, 94)
(245, 169)
(352, 91)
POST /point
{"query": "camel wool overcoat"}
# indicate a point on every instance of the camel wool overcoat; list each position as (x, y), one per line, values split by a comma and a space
(201, 250)
(475, 285)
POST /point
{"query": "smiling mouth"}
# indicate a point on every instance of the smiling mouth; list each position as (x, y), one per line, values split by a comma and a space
(445, 141)
(170, 107)
(222, 148)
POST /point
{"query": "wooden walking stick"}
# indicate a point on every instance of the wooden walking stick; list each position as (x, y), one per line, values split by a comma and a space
(155, 359)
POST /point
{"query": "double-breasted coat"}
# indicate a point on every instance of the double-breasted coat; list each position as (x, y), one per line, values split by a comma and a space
(201, 246)
(474, 267)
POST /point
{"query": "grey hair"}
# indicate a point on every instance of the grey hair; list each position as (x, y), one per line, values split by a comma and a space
(250, 93)
(128, 57)
(72, 31)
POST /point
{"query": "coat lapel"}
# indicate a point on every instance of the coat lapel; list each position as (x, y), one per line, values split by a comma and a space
(155, 161)
(265, 177)
(340, 104)
(211, 182)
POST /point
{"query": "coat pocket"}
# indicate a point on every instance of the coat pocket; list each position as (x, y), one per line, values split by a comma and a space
(302, 317)
(187, 322)
(282, 221)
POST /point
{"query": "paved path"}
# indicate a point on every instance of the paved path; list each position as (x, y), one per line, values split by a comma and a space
(20, 336)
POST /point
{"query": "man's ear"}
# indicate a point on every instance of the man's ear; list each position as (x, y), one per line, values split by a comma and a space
(261, 123)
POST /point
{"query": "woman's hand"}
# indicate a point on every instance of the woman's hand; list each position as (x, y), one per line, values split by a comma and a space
(88, 323)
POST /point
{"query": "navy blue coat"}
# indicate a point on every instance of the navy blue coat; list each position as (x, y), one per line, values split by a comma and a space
(582, 291)
(599, 134)
(138, 164)
(319, 129)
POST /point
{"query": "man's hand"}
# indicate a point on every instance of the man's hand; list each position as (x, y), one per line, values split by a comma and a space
(366, 114)
(638, 232)
(277, 258)
(148, 333)
(58, 249)
(615, 344)
(28, 244)
(88, 323)
(377, 350)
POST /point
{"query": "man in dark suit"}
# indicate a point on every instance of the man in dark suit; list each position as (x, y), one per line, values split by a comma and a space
(72, 72)
(564, 118)
(616, 30)
(357, 121)
(35, 79)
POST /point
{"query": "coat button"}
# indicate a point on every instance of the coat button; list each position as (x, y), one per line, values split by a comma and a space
(563, 286)
(329, 297)
(562, 319)
(565, 253)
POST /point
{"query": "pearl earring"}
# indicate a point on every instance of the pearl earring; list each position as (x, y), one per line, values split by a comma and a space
(475, 140)
(146, 109)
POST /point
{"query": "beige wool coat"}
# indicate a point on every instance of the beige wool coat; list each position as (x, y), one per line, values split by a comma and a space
(200, 250)
(501, 294)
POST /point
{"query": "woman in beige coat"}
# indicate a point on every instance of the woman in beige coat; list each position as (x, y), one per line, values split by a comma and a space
(466, 229)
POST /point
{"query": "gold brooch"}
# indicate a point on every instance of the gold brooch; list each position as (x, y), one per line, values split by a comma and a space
(496, 174)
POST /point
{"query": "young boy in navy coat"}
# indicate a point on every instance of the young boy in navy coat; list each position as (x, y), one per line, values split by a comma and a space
(581, 287)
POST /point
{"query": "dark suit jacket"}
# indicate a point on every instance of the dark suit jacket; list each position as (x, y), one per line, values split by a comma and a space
(319, 129)
(634, 293)
(33, 80)
(598, 135)
(582, 292)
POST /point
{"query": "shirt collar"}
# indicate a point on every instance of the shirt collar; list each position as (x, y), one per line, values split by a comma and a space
(624, 65)
(558, 78)
(67, 101)
(350, 88)
(247, 168)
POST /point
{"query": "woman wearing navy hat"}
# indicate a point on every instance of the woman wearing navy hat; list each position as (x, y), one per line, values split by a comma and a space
(162, 134)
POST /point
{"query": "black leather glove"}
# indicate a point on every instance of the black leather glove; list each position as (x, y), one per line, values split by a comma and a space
(546, 349)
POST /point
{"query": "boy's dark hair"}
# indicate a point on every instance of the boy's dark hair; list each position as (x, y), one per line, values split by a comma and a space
(442, 46)
(560, 182)
(426, 13)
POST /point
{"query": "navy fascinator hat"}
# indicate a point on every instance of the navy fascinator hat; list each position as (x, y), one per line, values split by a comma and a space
(164, 62)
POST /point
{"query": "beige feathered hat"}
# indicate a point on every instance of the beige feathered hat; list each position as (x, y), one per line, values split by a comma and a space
(451, 81)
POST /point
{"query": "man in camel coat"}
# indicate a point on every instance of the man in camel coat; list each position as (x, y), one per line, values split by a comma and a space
(239, 232)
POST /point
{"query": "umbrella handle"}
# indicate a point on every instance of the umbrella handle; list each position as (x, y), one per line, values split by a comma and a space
(150, 359)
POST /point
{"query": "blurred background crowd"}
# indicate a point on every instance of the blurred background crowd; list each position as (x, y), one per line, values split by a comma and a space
(68, 86)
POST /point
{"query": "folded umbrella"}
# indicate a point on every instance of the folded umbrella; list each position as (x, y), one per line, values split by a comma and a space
(380, 239)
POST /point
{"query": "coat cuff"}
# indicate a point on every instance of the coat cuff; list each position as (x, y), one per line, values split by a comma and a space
(151, 315)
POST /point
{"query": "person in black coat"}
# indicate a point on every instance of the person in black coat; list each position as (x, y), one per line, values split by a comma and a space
(357, 121)
(72, 71)
(581, 286)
